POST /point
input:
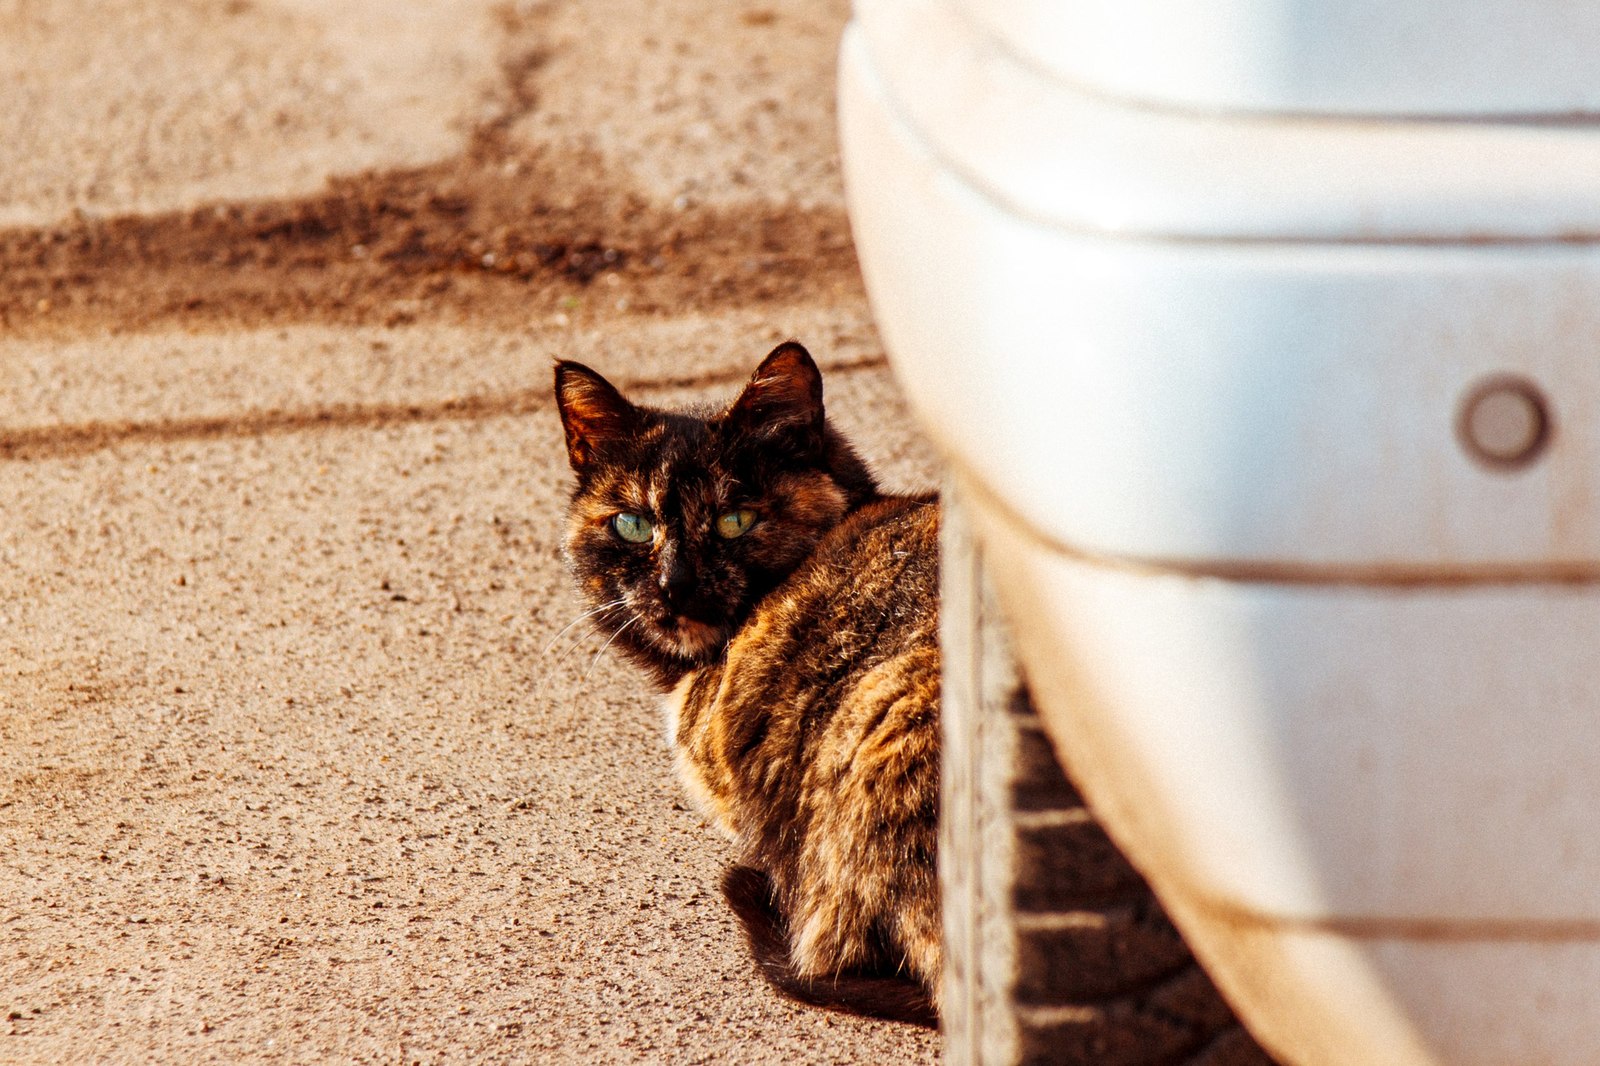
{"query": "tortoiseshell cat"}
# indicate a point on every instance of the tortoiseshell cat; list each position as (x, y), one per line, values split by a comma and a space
(745, 558)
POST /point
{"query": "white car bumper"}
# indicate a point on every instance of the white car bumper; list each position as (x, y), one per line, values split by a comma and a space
(1318, 641)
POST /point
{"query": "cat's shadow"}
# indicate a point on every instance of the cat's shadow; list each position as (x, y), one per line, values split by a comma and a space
(889, 997)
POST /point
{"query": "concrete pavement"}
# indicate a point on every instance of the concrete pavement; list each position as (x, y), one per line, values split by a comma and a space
(294, 765)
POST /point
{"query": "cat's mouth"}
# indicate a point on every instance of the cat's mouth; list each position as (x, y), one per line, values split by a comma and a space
(695, 639)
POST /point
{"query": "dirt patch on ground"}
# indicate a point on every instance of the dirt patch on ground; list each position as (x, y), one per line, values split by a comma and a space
(510, 229)
(495, 238)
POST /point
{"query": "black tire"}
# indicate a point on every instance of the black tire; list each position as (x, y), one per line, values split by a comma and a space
(1056, 950)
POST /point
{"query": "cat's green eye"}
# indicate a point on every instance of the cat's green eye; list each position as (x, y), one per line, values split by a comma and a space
(635, 529)
(735, 523)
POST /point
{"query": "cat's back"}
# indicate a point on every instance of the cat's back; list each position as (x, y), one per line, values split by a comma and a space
(822, 718)
(845, 647)
(822, 755)
(868, 592)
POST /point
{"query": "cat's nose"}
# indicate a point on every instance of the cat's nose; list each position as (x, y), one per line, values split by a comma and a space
(677, 587)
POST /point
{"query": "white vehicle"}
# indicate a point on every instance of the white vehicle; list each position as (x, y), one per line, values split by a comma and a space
(1262, 338)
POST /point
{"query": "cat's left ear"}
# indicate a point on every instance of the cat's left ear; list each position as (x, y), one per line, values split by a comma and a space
(594, 414)
(783, 399)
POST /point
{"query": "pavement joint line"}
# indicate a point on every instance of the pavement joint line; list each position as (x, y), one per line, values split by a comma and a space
(34, 443)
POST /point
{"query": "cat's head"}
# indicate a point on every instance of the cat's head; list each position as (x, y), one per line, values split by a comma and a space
(682, 521)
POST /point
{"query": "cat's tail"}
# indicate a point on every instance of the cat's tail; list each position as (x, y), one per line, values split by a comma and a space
(749, 892)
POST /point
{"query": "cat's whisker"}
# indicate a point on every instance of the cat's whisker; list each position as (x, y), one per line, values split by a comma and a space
(566, 652)
(586, 614)
(608, 644)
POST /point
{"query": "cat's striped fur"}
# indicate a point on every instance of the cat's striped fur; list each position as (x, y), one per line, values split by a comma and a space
(801, 662)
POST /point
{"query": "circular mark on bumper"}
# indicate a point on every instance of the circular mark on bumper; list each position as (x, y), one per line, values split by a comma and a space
(1504, 422)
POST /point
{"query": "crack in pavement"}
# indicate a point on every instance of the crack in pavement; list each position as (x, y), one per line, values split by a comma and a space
(34, 443)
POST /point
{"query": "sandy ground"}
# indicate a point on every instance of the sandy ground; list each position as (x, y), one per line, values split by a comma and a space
(296, 761)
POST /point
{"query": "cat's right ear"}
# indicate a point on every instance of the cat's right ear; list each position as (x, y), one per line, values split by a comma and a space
(783, 399)
(593, 413)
